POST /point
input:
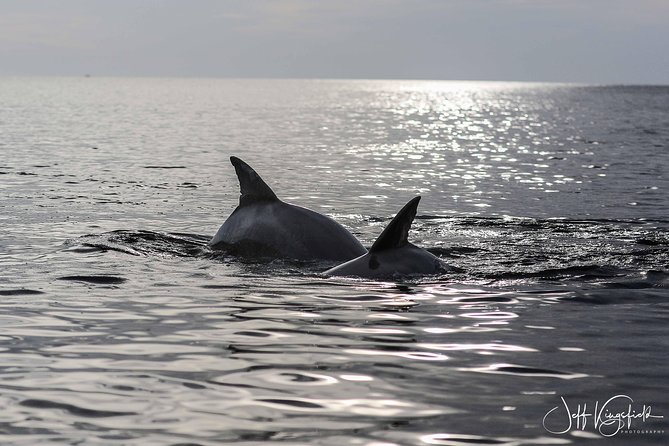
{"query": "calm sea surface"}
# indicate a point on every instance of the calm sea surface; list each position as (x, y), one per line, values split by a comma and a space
(120, 327)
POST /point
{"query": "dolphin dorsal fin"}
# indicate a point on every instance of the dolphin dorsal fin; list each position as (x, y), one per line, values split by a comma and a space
(397, 232)
(253, 188)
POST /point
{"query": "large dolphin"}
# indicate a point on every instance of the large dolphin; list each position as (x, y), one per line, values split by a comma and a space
(264, 226)
(392, 256)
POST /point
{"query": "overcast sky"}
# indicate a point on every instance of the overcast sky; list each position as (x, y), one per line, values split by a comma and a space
(594, 41)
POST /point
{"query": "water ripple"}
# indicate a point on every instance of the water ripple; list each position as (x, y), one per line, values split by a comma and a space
(74, 410)
(120, 326)
(520, 370)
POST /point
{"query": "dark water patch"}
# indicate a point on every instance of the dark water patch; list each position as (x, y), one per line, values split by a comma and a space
(657, 241)
(300, 404)
(454, 251)
(74, 410)
(300, 377)
(164, 167)
(124, 388)
(458, 440)
(542, 291)
(364, 299)
(580, 272)
(20, 292)
(224, 287)
(487, 299)
(433, 217)
(521, 370)
(254, 334)
(616, 295)
(640, 284)
(105, 201)
(609, 222)
(98, 280)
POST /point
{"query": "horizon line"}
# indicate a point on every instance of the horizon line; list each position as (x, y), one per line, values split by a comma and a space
(309, 78)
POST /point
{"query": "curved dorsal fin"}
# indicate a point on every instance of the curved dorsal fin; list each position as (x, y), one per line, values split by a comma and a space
(253, 187)
(397, 232)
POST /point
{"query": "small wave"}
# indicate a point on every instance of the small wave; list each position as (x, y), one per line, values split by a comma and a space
(460, 440)
(656, 241)
(581, 272)
(651, 279)
(19, 292)
(617, 295)
(98, 280)
(141, 242)
(521, 370)
(292, 403)
(483, 300)
(74, 410)
(102, 247)
(454, 251)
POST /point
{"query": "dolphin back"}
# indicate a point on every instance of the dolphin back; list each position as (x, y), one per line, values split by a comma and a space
(281, 230)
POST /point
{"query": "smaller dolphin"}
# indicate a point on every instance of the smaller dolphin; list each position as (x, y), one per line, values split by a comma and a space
(264, 226)
(391, 255)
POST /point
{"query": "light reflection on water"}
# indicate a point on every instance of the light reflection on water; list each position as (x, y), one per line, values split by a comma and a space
(120, 327)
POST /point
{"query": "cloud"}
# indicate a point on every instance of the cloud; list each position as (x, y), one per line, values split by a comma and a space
(30, 29)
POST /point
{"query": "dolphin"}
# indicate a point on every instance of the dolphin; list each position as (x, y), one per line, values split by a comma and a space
(264, 226)
(392, 256)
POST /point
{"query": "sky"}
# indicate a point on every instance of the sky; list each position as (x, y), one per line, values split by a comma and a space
(585, 41)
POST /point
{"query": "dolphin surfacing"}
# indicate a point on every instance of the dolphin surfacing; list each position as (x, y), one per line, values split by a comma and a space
(264, 226)
(392, 256)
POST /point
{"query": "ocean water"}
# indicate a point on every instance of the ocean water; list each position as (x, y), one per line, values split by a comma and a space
(120, 327)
